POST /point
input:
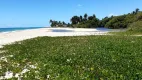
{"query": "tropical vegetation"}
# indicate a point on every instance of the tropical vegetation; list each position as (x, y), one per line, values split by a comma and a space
(112, 22)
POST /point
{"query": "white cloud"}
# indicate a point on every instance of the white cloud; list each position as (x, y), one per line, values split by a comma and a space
(79, 5)
(78, 8)
(112, 14)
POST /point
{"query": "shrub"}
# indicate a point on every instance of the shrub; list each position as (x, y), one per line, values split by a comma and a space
(136, 26)
(116, 22)
(139, 16)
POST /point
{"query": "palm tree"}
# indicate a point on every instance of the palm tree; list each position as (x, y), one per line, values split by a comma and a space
(90, 18)
(68, 25)
(75, 20)
(94, 16)
(51, 21)
(137, 10)
(63, 23)
(133, 12)
(78, 19)
(81, 18)
(59, 23)
(85, 16)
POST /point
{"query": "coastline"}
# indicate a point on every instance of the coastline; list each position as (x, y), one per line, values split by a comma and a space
(11, 29)
(19, 35)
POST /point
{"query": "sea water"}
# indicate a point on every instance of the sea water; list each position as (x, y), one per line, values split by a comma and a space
(17, 28)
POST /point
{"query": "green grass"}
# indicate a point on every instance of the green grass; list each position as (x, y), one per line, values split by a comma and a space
(126, 33)
(76, 58)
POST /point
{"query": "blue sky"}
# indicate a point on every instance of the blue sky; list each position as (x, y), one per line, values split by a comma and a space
(37, 13)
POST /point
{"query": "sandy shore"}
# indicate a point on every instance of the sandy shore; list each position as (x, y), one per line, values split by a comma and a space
(10, 37)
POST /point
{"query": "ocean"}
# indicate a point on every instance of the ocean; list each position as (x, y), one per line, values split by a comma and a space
(17, 28)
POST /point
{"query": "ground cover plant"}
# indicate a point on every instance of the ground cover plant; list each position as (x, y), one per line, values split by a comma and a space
(73, 58)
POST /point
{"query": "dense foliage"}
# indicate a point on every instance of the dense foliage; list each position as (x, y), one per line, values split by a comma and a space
(74, 58)
(59, 24)
(123, 21)
(136, 26)
(85, 22)
(113, 22)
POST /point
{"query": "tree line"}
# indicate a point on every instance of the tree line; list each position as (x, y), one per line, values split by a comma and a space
(113, 22)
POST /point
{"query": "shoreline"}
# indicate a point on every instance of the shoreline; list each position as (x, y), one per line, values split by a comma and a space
(13, 29)
(19, 35)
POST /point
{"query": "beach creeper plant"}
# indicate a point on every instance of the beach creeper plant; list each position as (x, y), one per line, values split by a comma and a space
(73, 58)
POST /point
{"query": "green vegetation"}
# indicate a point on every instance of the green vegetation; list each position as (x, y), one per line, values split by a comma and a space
(124, 21)
(59, 24)
(113, 22)
(136, 26)
(85, 22)
(75, 58)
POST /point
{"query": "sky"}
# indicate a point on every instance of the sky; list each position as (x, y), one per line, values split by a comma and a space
(37, 13)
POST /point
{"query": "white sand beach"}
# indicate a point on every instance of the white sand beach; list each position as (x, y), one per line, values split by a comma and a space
(10, 37)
